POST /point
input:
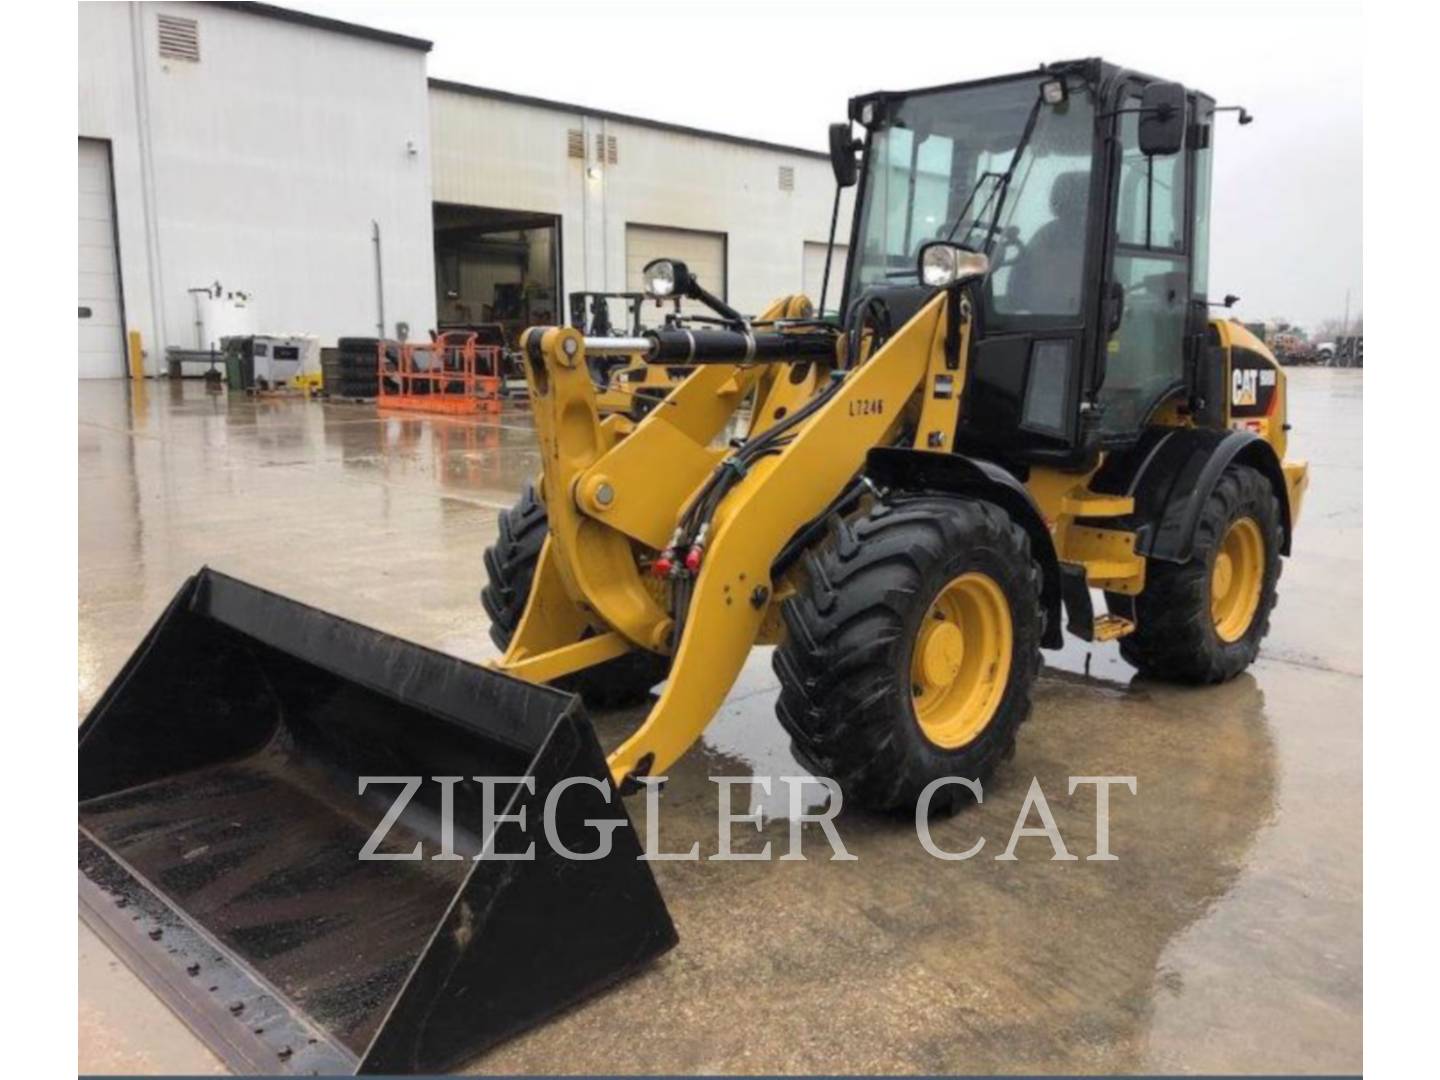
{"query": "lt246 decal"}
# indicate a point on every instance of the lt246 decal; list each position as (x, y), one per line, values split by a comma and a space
(867, 407)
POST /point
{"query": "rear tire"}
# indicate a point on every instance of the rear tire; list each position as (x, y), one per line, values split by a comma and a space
(1178, 635)
(510, 566)
(848, 693)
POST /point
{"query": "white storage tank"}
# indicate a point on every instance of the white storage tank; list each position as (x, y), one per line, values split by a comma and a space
(224, 313)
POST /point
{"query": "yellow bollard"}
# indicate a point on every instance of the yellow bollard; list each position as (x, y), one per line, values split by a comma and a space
(137, 356)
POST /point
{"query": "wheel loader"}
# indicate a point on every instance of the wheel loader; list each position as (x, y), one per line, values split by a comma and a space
(1023, 423)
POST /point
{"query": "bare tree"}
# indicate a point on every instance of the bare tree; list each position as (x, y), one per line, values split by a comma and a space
(1333, 328)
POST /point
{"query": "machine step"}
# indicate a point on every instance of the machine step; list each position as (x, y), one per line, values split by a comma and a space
(1109, 627)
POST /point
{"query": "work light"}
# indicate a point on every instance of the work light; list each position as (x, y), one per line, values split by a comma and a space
(665, 277)
(944, 264)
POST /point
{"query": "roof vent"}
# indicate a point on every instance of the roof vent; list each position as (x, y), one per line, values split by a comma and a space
(787, 178)
(575, 143)
(179, 38)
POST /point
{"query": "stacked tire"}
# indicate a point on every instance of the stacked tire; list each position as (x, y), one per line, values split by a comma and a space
(356, 368)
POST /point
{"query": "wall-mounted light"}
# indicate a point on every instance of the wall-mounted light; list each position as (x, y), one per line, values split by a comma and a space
(592, 172)
(411, 148)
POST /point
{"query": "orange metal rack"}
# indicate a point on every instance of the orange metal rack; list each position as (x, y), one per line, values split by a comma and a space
(451, 374)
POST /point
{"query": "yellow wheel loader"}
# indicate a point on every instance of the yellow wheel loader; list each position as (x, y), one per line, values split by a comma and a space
(1025, 401)
(1023, 405)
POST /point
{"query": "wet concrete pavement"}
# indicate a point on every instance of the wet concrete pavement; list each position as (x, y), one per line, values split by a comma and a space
(1225, 937)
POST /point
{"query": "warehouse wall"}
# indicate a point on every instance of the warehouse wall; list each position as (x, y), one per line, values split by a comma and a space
(262, 167)
(513, 155)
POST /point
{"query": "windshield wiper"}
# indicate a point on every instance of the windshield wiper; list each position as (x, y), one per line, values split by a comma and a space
(1002, 189)
(910, 271)
(974, 224)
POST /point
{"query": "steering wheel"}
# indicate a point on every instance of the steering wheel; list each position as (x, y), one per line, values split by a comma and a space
(1008, 248)
(1147, 290)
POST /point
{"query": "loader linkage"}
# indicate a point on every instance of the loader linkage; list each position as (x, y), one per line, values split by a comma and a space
(617, 499)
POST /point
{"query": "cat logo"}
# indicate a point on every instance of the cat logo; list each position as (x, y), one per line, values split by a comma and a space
(1245, 382)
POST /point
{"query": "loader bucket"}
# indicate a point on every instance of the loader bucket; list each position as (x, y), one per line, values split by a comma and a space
(221, 825)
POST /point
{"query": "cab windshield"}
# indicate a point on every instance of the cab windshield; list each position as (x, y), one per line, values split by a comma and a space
(937, 169)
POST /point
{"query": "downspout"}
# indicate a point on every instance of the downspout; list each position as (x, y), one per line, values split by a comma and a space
(379, 280)
(154, 268)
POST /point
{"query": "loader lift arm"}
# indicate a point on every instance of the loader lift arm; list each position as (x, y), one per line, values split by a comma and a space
(614, 500)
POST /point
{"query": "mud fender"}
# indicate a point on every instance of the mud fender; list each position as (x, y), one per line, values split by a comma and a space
(1170, 473)
(921, 470)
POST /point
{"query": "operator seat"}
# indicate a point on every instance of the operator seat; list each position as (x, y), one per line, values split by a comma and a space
(1048, 275)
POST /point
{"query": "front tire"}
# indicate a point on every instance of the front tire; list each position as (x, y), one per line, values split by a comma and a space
(1202, 621)
(510, 566)
(923, 599)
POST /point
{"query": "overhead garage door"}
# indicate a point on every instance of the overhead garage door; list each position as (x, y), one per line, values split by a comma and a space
(702, 252)
(101, 343)
(815, 270)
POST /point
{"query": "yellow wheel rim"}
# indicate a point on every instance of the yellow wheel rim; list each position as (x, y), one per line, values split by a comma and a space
(1235, 579)
(961, 660)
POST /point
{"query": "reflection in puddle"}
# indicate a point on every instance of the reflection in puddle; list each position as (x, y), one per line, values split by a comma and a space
(1099, 660)
(745, 739)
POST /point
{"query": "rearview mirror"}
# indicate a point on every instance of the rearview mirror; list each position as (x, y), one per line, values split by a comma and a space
(842, 155)
(1162, 119)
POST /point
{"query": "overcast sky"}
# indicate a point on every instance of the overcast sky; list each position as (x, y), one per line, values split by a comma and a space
(1287, 231)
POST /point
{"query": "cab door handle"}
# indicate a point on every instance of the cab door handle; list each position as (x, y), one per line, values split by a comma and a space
(1114, 306)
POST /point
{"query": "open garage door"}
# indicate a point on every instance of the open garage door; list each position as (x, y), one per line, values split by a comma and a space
(497, 267)
(102, 324)
(815, 272)
(702, 252)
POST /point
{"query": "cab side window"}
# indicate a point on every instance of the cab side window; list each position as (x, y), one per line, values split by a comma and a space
(1145, 359)
(1152, 194)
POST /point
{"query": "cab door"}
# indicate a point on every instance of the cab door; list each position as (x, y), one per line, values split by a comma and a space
(1149, 265)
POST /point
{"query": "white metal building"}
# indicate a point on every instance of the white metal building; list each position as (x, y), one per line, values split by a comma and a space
(751, 218)
(261, 148)
(255, 147)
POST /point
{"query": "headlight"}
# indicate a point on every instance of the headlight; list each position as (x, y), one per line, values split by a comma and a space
(944, 264)
(660, 278)
(665, 277)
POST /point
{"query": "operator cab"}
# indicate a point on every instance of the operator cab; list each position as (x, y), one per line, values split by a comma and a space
(1087, 186)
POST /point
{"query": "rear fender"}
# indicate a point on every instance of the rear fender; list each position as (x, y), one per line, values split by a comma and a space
(956, 474)
(1170, 474)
